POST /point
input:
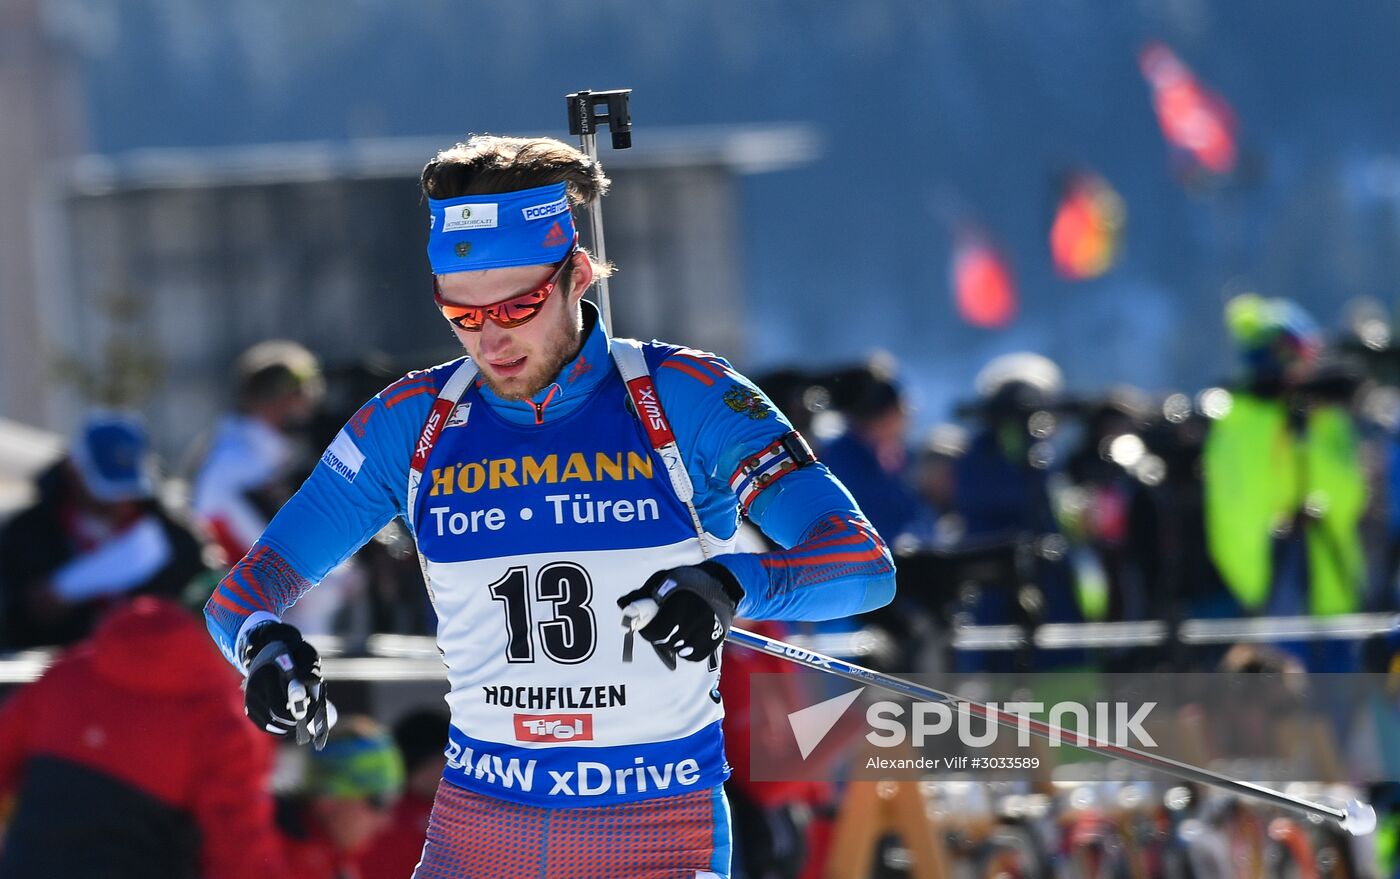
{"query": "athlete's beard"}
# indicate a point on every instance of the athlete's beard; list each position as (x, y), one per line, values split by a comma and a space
(559, 347)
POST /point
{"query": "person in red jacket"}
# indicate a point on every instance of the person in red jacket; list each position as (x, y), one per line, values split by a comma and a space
(422, 740)
(131, 757)
(782, 829)
(344, 803)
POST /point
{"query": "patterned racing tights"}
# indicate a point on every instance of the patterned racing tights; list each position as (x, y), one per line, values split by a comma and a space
(471, 836)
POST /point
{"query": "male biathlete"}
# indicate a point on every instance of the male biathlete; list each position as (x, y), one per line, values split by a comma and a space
(552, 476)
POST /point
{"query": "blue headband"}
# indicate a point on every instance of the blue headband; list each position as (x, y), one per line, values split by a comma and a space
(500, 229)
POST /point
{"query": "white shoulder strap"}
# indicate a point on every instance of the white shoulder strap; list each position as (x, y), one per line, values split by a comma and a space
(447, 399)
(631, 362)
(646, 403)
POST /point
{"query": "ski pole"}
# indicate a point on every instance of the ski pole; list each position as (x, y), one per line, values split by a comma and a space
(584, 119)
(1357, 818)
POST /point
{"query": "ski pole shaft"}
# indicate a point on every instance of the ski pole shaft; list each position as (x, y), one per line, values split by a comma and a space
(589, 143)
(1356, 817)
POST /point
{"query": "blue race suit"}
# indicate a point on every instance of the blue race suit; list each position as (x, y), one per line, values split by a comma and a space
(532, 517)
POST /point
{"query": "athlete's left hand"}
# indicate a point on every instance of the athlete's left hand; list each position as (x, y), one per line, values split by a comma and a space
(694, 607)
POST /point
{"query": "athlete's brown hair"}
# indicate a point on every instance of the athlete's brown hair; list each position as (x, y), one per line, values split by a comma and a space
(486, 163)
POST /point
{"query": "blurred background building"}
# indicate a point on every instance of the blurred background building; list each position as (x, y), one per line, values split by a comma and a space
(205, 132)
(200, 252)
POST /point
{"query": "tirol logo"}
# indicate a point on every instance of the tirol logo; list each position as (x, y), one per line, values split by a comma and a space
(554, 727)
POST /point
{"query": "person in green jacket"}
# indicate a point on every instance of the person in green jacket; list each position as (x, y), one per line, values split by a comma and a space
(1284, 486)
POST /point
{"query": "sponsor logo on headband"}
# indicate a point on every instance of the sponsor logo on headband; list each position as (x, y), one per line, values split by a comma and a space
(541, 211)
(556, 237)
(474, 216)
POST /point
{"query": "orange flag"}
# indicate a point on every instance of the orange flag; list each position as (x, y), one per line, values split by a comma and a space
(1088, 223)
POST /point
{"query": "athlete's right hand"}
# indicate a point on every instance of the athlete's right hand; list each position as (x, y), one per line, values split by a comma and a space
(284, 691)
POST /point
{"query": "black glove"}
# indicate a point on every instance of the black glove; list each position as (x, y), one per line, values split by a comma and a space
(695, 606)
(284, 691)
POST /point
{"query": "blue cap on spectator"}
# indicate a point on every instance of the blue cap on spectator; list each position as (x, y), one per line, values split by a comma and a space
(113, 457)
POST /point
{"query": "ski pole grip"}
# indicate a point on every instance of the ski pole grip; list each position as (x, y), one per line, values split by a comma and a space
(640, 612)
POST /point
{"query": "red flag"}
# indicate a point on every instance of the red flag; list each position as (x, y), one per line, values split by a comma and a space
(1194, 120)
(1088, 223)
(983, 287)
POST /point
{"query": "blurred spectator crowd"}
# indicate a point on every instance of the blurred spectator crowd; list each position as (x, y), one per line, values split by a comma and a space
(1276, 493)
(1269, 495)
(131, 755)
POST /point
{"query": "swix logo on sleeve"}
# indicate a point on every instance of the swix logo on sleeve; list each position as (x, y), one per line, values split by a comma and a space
(644, 397)
(554, 727)
(431, 428)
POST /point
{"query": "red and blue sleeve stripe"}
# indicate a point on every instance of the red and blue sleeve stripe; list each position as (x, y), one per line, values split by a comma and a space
(415, 384)
(263, 582)
(702, 366)
(840, 567)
